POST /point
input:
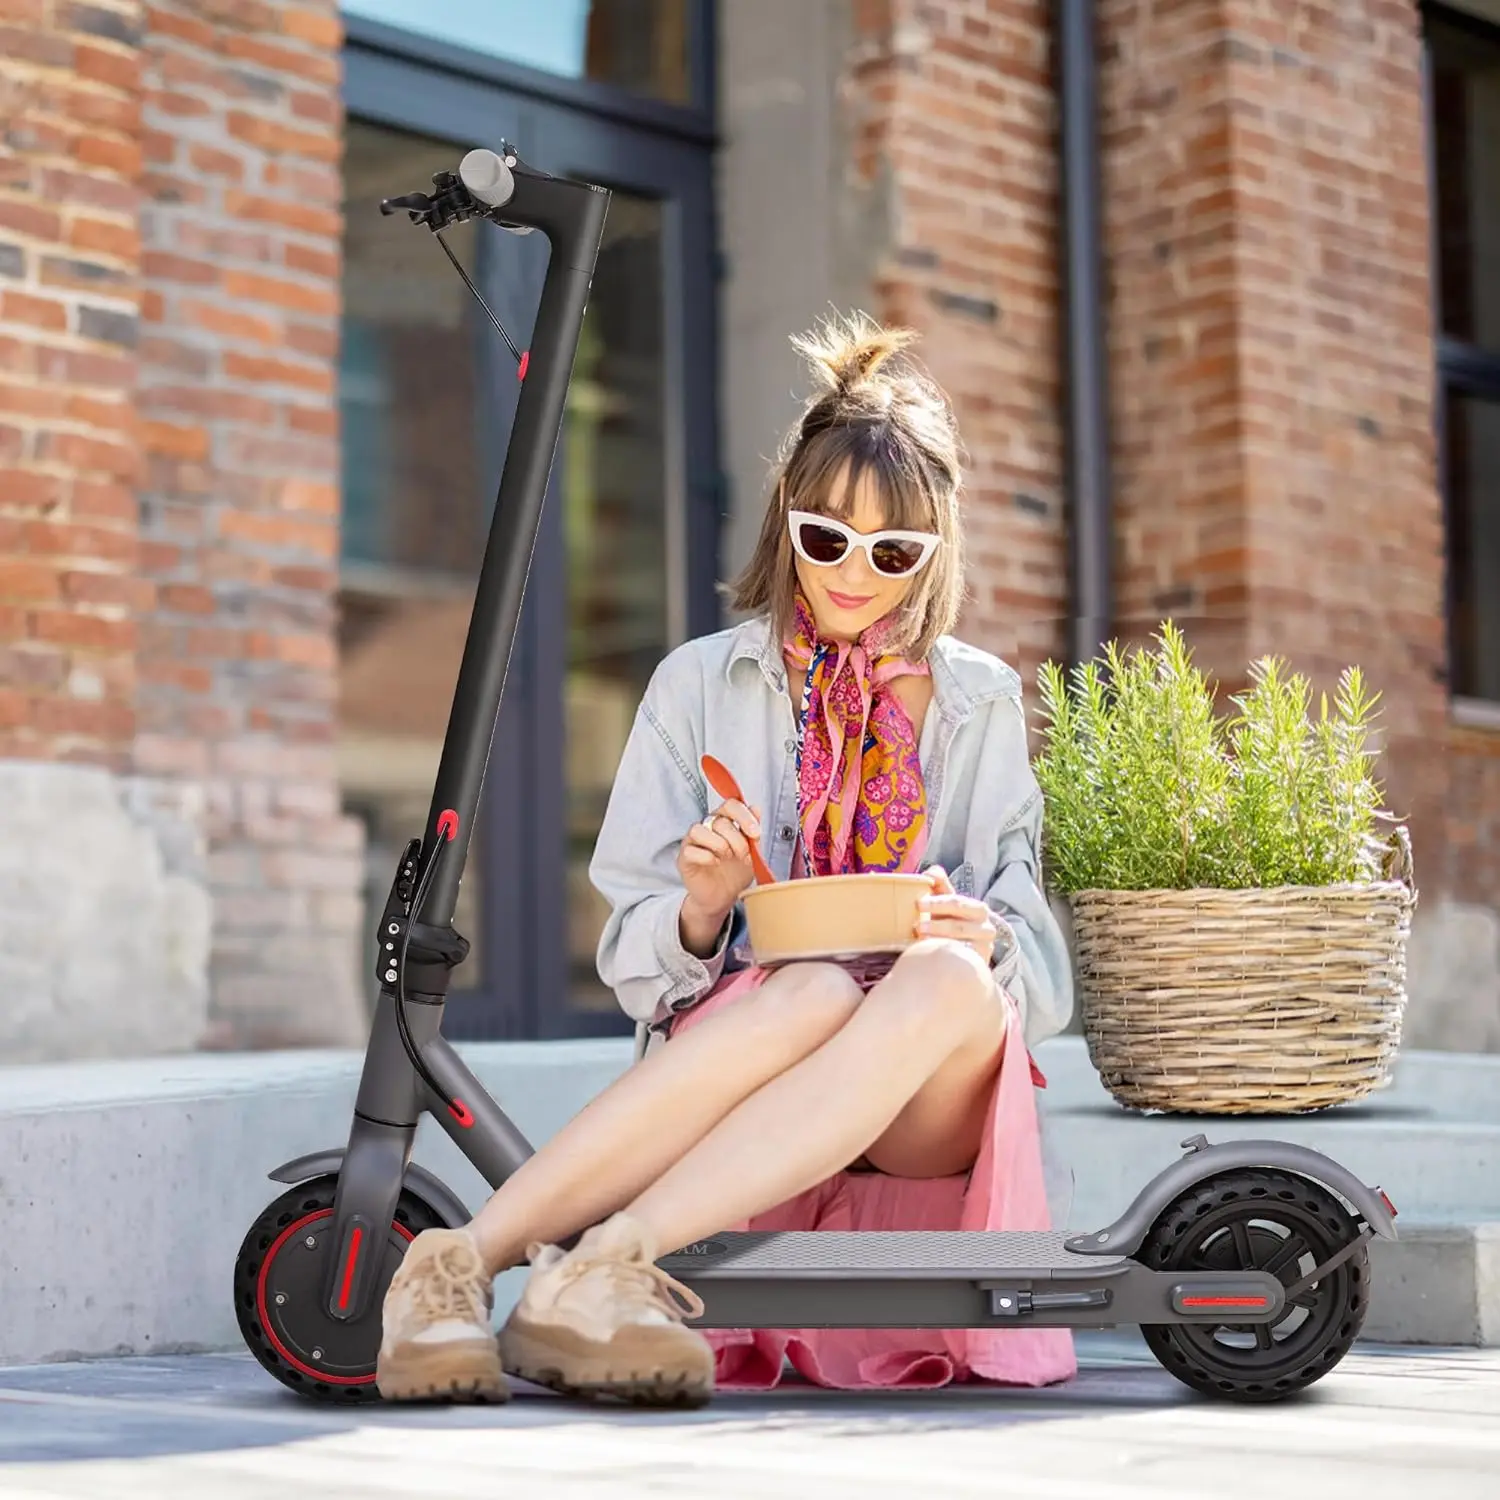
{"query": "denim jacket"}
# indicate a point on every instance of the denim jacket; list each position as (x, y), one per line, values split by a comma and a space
(727, 695)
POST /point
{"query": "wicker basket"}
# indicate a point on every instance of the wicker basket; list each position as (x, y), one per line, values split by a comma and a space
(1268, 1001)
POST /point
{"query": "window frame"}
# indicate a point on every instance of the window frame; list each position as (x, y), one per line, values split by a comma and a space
(1462, 368)
(693, 121)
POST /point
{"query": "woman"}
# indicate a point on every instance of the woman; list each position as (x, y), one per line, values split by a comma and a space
(881, 1096)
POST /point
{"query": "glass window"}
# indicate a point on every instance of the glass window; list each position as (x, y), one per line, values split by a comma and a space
(639, 45)
(612, 460)
(1473, 480)
(1466, 143)
(413, 510)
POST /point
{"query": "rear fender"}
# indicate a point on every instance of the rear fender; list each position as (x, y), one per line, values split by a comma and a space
(1202, 1161)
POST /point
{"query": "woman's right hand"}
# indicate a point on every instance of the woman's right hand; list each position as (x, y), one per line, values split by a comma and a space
(714, 863)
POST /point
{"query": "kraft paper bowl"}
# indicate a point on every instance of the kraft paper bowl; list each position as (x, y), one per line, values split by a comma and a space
(833, 916)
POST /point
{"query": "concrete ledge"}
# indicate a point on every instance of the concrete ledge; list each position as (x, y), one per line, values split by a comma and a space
(127, 1187)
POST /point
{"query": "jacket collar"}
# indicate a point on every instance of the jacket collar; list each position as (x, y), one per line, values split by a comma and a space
(956, 691)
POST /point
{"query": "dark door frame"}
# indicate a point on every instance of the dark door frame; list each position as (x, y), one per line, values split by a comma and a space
(633, 145)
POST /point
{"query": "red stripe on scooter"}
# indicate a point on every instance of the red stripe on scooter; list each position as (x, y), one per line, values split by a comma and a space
(462, 1113)
(349, 1266)
(264, 1312)
(525, 360)
(1225, 1302)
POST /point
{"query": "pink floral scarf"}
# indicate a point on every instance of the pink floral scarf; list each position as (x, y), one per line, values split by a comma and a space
(860, 792)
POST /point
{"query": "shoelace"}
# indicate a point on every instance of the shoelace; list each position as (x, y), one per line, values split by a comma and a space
(451, 1285)
(628, 1276)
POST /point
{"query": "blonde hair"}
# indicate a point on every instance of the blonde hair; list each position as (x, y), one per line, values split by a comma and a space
(873, 410)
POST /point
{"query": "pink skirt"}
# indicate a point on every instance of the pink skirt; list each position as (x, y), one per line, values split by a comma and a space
(1004, 1190)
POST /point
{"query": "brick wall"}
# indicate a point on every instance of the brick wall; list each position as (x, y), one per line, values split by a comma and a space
(951, 108)
(241, 125)
(169, 265)
(70, 164)
(1271, 348)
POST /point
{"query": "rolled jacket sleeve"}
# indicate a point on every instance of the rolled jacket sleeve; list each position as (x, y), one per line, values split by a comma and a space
(1036, 971)
(655, 798)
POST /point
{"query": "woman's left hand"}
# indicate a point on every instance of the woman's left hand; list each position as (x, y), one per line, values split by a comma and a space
(962, 919)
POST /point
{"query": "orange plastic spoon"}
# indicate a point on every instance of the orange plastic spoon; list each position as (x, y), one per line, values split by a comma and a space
(722, 781)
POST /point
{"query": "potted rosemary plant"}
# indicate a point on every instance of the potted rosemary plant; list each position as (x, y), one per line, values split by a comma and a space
(1241, 902)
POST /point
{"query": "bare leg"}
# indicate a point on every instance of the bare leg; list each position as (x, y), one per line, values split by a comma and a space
(638, 1127)
(936, 1020)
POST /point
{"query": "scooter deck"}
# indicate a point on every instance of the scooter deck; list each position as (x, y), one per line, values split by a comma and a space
(946, 1279)
(959, 1255)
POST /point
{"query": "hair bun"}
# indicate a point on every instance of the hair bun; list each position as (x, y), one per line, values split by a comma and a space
(845, 352)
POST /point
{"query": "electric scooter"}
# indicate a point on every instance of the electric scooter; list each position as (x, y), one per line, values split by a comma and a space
(1245, 1264)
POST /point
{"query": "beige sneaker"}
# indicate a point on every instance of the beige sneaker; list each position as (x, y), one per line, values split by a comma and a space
(438, 1343)
(605, 1320)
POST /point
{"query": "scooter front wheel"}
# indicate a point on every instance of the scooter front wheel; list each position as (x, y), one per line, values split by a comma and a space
(1262, 1220)
(279, 1281)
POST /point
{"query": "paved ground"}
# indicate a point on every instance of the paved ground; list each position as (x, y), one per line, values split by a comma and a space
(1387, 1423)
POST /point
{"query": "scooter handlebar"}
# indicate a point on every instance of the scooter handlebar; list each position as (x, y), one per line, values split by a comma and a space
(487, 177)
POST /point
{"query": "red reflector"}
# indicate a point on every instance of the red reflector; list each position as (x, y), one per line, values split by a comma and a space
(448, 823)
(1225, 1302)
(355, 1237)
(1380, 1193)
(521, 369)
(462, 1113)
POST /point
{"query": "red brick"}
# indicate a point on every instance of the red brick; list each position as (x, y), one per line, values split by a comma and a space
(69, 539)
(311, 496)
(187, 599)
(31, 400)
(279, 211)
(91, 190)
(317, 27)
(294, 295)
(105, 719)
(85, 367)
(276, 371)
(30, 219)
(217, 163)
(162, 22)
(278, 139)
(116, 414)
(37, 312)
(162, 265)
(108, 589)
(88, 454)
(179, 105)
(280, 532)
(176, 441)
(86, 632)
(107, 236)
(298, 257)
(92, 500)
(28, 491)
(318, 66)
(111, 152)
(107, 65)
(327, 109)
(15, 709)
(231, 322)
(27, 582)
(319, 421)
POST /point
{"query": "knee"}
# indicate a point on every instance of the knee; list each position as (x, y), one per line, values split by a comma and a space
(809, 1001)
(946, 983)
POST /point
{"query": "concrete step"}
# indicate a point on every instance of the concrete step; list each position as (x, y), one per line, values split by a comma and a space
(128, 1186)
(1431, 1139)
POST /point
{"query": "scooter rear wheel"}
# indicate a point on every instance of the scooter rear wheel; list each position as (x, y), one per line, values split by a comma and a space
(278, 1285)
(1260, 1220)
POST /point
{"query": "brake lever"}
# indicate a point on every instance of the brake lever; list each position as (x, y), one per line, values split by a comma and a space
(419, 205)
